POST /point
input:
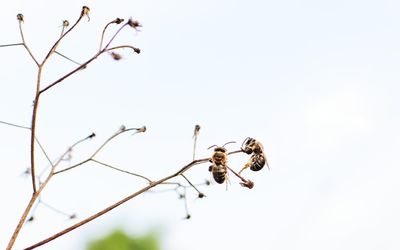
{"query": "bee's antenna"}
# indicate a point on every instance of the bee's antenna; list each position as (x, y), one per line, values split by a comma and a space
(228, 143)
(212, 146)
(245, 140)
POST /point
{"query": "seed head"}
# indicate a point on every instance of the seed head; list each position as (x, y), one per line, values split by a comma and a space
(85, 12)
(118, 20)
(20, 17)
(134, 24)
(116, 56)
(65, 23)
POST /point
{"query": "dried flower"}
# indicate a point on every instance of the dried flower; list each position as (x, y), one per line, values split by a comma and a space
(249, 184)
(116, 56)
(134, 24)
(118, 20)
(85, 12)
(196, 130)
(20, 17)
(137, 50)
(65, 23)
(142, 129)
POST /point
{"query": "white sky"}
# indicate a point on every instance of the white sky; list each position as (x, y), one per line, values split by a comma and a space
(316, 81)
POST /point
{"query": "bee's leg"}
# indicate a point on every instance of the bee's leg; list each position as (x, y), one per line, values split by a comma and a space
(248, 164)
(227, 180)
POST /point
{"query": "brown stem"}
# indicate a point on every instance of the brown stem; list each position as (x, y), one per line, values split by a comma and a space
(97, 150)
(109, 208)
(24, 44)
(53, 48)
(26, 212)
(121, 170)
(70, 73)
(33, 127)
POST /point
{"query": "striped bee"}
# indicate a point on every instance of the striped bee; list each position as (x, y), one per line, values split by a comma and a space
(258, 159)
(219, 160)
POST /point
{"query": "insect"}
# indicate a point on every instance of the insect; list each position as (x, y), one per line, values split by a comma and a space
(258, 159)
(219, 160)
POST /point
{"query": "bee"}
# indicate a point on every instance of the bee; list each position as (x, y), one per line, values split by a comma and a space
(258, 159)
(219, 160)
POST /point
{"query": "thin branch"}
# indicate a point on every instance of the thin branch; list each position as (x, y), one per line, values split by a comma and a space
(136, 50)
(69, 59)
(44, 152)
(33, 127)
(36, 195)
(109, 208)
(12, 44)
(53, 48)
(26, 212)
(121, 170)
(117, 21)
(193, 186)
(98, 150)
(113, 37)
(56, 209)
(70, 73)
(37, 140)
(24, 43)
(14, 125)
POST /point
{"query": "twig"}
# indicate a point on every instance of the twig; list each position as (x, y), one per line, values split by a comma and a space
(53, 48)
(121, 170)
(69, 59)
(117, 21)
(12, 44)
(14, 125)
(20, 21)
(109, 208)
(36, 195)
(97, 150)
(22, 220)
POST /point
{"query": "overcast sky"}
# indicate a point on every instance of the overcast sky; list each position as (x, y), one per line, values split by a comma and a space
(316, 82)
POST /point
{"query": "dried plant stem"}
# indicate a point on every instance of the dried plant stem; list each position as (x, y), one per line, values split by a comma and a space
(14, 125)
(121, 170)
(109, 208)
(24, 44)
(22, 220)
(97, 151)
(35, 196)
(69, 59)
(33, 128)
(102, 34)
(61, 37)
(11, 44)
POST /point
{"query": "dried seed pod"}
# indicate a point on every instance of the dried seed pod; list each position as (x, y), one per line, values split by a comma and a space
(116, 56)
(20, 17)
(134, 23)
(65, 23)
(85, 12)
